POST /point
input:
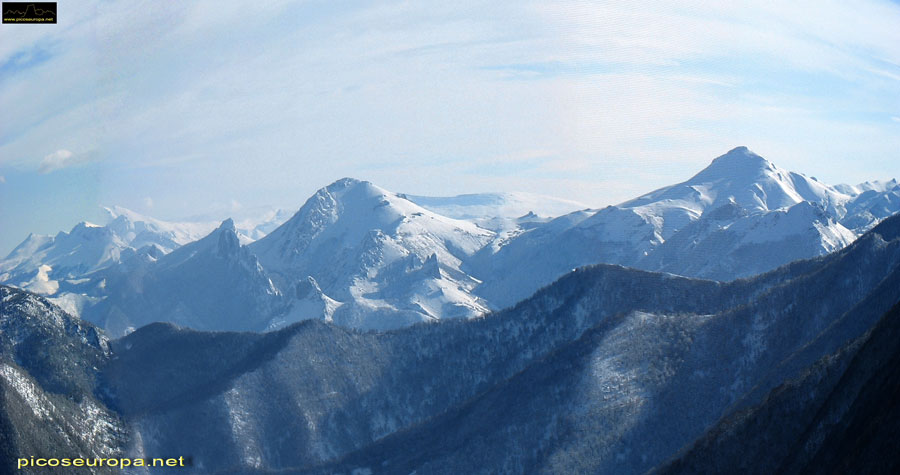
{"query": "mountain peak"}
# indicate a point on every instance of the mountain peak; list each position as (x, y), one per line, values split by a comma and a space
(740, 164)
(227, 225)
(741, 155)
(752, 181)
(343, 184)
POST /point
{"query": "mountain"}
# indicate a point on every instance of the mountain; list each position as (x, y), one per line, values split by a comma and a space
(388, 261)
(140, 230)
(49, 369)
(354, 254)
(40, 262)
(740, 216)
(49, 265)
(368, 258)
(214, 283)
(872, 203)
(742, 177)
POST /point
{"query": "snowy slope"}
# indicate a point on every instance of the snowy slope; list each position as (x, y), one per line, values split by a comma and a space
(390, 261)
(754, 243)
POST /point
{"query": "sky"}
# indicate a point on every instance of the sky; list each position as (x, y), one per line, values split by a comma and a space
(211, 108)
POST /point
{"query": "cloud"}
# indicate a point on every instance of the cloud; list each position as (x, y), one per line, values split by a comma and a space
(2, 179)
(148, 202)
(57, 160)
(585, 89)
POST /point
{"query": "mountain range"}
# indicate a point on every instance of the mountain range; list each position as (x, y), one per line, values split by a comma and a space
(364, 257)
(607, 370)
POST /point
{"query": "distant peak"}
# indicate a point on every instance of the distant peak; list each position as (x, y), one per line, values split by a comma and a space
(343, 183)
(82, 228)
(740, 153)
(227, 225)
(738, 161)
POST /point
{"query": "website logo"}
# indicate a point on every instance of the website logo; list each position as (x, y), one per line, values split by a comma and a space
(29, 12)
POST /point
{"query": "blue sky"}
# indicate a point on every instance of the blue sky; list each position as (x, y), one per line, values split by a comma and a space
(187, 108)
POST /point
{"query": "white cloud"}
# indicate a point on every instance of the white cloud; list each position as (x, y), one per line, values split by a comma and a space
(2, 179)
(59, 159)
(148, 202)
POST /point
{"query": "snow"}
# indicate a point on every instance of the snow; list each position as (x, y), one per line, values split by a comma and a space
(41, 283)
(309, 303)
(27, 390)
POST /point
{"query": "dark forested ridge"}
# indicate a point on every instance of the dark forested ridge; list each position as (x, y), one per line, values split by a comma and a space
(49, 365)
(840, 416)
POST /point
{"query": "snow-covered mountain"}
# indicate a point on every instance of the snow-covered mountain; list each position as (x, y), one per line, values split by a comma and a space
(214, 283)
(139, 230)
(45, 264)
(40, 262)
(354, 254)
(742, 215)
(742, 177)
(53, 265)
(386, 260)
